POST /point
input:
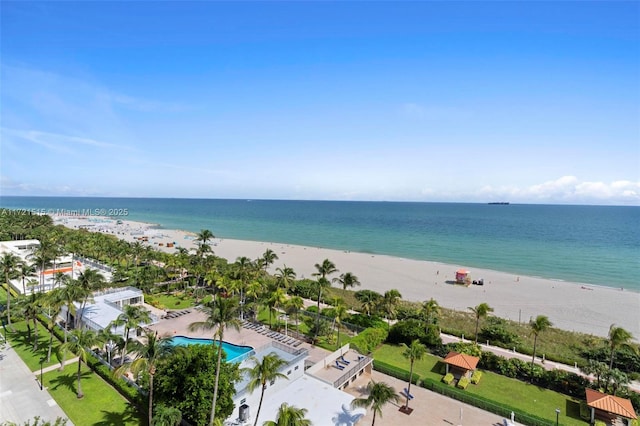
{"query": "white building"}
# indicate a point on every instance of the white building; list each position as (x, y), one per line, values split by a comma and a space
(321, 396)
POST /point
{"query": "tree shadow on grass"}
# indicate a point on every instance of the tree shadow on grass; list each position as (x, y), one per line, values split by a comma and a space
(69, 381)
(129, 415)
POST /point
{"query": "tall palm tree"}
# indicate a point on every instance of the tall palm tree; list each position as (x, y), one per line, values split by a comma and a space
(31, 306)
(131, 318)
(430, 311)
(263, 372)
(323, 269)
(8, 265)
(89, 280)
(268, 258)
(413, 353)
(347, 280)
(539, 325)
(380, 394)
(293, 306)
(81, 343)
(71, 293)
(288, 415)
(148, 354)
(480, 311)
(340, 312)
(53, 301)
(221, 313)
(617, 338)
(390, 301)
(275, 300)
(26, 270)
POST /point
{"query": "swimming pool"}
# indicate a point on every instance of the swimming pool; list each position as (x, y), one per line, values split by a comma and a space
(234, 353)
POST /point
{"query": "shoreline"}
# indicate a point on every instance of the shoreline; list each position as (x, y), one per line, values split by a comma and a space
(573, 306)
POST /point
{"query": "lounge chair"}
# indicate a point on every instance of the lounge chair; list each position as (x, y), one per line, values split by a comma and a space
(406, 393)
(298, 343)
(344, 361)
(337, 365)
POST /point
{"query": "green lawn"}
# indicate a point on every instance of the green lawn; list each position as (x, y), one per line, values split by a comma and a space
(101, 405)
(529, 398)
(170, 301)
(24, 347)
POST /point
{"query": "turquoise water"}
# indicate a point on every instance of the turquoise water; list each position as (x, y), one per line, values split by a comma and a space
(590, 244)
(233, 352)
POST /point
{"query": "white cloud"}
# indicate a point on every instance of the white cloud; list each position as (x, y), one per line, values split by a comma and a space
(567, 190)
(56, 141)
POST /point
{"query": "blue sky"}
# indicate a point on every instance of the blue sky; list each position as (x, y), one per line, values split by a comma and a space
(420, 101)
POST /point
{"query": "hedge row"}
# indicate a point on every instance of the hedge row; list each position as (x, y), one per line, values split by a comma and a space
(499, 408)
(392, 370)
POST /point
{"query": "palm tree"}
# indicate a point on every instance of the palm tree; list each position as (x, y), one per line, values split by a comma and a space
(31, 307)
(430, 311)
(221, 313)
(288, 415)
(264, 372)
(480, 311)
(148, 354)
(268, 257)
(540, 324)
(413, 353)
(293, 306)
(81, 342)
(380, 394)
(277, 299)
(369, 300)
(325, 269)
(8, 264)
(285, 276)
(131, 317)
(347, 280)
(340, 311)
(390, 301)
(89, 280)
(54, 300)
(71, 293)
(618, 337)
(26, 270)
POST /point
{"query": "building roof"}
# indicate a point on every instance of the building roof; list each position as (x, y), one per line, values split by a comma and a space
(326, 405)
(610, 404)
(468, 362)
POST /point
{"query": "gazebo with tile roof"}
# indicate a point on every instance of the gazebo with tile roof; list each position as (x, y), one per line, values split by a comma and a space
(461, 362)
(609, 404)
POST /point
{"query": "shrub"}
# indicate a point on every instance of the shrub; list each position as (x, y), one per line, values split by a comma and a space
(406, 332)
(476, 376)
(312, 309)
(585, 412)
(495, 330)
(463, 383)
(368, 340)
(599, 423)
(365, 321)
(448, 378)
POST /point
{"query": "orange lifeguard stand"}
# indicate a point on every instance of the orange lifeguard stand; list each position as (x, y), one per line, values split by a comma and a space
(463, 276)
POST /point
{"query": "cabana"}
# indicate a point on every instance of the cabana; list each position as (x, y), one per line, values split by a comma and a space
(463, 276)
(609, 407)
(461, 364)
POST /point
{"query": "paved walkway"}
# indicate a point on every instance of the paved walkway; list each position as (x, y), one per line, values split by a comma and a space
(20, 396)
(429, 408)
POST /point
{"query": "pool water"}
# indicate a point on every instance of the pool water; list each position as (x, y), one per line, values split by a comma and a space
(234, 353)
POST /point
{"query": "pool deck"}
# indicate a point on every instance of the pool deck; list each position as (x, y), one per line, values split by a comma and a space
(429, 408)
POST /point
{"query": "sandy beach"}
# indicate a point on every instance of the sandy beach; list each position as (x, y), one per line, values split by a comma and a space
(570, 306)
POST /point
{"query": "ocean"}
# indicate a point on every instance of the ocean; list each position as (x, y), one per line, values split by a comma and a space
(588, 244)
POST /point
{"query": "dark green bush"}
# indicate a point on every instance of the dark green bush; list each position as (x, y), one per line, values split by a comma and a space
(368, 340)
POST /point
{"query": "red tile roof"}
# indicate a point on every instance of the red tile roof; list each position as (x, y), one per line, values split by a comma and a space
(610, 404)
(468, 362)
